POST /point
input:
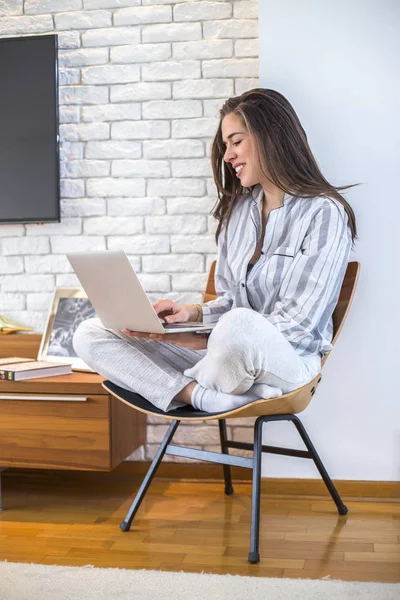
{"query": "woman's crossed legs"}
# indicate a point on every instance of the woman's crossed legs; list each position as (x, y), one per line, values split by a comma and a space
(247, 358)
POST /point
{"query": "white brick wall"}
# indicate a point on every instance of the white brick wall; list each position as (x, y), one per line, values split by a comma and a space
(141, 82)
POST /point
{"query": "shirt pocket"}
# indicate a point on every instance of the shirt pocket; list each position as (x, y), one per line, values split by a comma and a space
(279, 263)
(285, 251)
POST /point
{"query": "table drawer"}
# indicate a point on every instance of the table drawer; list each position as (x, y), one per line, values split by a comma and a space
(55, 431)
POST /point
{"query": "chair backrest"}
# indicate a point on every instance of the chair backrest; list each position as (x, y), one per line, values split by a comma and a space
(210, 293)
(342, 307)
(345, 298)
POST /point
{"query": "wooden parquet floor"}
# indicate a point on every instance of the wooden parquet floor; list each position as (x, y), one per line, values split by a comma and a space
(194, 527)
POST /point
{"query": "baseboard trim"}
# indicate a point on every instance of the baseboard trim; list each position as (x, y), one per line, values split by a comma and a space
(270, 485)
(385, 490)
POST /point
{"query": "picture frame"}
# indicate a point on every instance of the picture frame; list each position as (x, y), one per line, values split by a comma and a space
(69, 307)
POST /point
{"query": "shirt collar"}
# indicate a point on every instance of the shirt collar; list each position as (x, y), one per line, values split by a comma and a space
(257, 195)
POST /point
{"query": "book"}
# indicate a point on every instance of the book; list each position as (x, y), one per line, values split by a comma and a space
(19, 371)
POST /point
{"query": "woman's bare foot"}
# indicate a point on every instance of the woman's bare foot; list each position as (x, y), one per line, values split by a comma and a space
(186, 394)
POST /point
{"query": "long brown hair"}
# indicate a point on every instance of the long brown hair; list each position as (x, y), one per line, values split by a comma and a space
(283, 152)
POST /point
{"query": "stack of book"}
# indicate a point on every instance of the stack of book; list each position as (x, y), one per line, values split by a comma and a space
(18, 369)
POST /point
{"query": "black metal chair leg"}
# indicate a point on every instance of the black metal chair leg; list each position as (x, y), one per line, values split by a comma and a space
(224, 450)
(254, 555)
(126, 523)
(342, 509)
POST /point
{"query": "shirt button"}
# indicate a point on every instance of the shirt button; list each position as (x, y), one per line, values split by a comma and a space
(243, 285)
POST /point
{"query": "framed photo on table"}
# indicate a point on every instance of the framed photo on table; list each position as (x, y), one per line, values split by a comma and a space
(70, 306)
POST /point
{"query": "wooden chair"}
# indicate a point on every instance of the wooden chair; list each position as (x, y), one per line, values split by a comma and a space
(284, 408)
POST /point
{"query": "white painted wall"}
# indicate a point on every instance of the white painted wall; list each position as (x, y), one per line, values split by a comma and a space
(338, 64)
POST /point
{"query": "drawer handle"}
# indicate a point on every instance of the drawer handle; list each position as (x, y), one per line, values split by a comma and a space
(44, 398)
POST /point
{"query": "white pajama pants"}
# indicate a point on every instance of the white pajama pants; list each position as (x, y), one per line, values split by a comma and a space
(243, 349)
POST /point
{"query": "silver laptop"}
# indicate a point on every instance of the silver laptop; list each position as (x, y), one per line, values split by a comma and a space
(118, 297)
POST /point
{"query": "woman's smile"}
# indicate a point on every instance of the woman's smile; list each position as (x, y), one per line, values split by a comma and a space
(238, 168)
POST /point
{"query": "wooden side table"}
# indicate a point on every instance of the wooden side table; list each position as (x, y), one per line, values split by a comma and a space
(65, 422)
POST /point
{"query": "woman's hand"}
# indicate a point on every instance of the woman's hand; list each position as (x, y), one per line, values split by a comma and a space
(193, 341)
(172, 312)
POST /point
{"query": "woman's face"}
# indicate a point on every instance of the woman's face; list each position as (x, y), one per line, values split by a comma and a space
(241, 151)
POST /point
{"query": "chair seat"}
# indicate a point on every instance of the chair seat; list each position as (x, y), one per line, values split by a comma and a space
(291, 403)
(139, 403)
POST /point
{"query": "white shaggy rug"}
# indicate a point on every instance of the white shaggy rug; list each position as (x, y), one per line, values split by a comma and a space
(22, 581)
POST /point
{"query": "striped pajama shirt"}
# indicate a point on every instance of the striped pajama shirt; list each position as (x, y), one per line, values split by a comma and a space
(296, 282)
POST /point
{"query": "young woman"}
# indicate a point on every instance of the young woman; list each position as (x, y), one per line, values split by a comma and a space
(284, 237)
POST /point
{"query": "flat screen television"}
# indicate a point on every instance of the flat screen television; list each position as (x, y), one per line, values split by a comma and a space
(29, 149)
